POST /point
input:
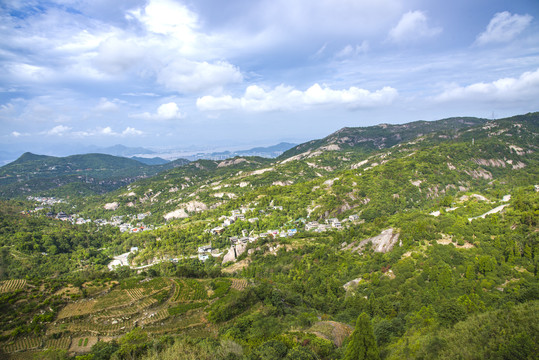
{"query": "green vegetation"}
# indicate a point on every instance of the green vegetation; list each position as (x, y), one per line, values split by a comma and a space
(80, 175)
(362, 343)
(447, 281)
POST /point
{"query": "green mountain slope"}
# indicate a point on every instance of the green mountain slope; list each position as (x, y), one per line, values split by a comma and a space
(34, 174)
(326, 183)
(434, 238)
(382, 136)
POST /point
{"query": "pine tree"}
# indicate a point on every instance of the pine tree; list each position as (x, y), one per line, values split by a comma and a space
(362, 345)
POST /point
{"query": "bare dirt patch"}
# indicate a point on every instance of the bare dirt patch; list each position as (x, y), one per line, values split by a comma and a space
(237, 266)
(82, 344)
(333, 331)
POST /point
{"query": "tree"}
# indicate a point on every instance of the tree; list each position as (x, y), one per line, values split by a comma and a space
(133, 344)
(362, 345)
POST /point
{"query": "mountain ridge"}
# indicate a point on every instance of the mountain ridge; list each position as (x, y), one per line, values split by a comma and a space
(383, 135)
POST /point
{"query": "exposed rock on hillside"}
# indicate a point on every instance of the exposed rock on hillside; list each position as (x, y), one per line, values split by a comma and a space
(194, 206)
(182, 212)
(381, 243)
(234, 252)
(111, 206)
(479, 174)
(230, 162)
(261, 171)
(282, 183)
(352, 284)
(176, 214)
(490, 162)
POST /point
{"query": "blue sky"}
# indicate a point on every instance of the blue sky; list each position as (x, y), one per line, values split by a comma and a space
(240, 73)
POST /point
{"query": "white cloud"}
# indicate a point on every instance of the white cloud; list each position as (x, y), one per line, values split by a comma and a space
(30, 73)
(168, 111)
(504, 27)
(413, 26)
(163, 44)
(120, 53)
(107, 131)
(58, 130)
(187, 76)
(62, 130)
(287, 98)
(350, 50)
(129, 131)
(523, 88)
(17, 134)
(168, 18)
(106, 105)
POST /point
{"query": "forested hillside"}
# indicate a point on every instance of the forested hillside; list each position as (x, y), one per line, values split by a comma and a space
(420, 240)
(77, 175)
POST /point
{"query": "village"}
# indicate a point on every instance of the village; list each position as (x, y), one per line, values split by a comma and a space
(238, 243)
(126, 223)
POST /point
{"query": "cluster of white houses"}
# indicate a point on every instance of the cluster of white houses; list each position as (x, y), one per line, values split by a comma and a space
(116, 221)
(332, 223)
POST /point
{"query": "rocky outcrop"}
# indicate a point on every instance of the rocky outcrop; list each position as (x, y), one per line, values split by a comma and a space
(230, 162)
(194, 206)
(234, 252)
(176, 214)
(381, 243)
(479, 174)
(111, 206)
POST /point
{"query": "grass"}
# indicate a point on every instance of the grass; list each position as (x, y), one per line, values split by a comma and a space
(183, 308)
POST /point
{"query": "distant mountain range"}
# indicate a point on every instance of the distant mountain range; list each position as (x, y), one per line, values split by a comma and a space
(150, 161)
(121, 150)
(88, 174)
(267, 152)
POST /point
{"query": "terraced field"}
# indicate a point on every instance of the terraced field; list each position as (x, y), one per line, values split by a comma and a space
(12, 285)
(22, 344)
(239, 284)
(61, 343)
(160, 305)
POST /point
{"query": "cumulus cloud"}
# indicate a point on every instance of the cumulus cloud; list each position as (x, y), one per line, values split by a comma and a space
(413, 26)
(163, 44)
(107, 131)
(106, 105)
(187, 76)
(168, 111)
(287, 98)
(523, 88)
(129, 131)
(59, 130)
(168, 18)
(504, 27)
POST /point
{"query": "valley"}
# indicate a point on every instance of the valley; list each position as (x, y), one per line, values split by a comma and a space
(429, 228)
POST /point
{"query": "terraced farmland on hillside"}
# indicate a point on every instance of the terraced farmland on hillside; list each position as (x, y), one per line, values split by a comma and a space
(161, 305)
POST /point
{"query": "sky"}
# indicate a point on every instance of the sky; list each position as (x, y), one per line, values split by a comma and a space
(240, 73)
